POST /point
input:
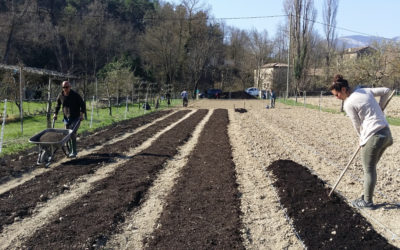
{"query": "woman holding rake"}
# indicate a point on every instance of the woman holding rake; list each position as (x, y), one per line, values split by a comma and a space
(372, 127)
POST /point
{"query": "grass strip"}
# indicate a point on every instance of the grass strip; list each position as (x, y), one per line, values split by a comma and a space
(15, 141)
(394, 121)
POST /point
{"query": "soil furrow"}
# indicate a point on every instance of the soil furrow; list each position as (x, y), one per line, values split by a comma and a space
(14, 235)
(265, 226)
(14, 166)
(141, 223)
(90, 221)
(203, 210)
(135, 185)
(19, 202)
(322, 222)
(38, 171)
(118, 129)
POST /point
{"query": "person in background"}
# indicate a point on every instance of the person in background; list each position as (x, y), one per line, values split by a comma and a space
(372, 127)
(168, 96)
(273, 98)
(184, 96)
(73, 108)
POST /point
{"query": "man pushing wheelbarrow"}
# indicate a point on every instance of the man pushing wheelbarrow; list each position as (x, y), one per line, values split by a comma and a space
(73, 108)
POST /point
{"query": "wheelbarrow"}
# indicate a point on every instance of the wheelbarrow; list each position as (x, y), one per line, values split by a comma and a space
(52, 139)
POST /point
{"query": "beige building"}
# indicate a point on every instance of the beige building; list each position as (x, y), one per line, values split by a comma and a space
(271, 75)
(355, 53)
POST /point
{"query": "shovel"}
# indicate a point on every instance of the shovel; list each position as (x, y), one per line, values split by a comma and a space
(358, 149)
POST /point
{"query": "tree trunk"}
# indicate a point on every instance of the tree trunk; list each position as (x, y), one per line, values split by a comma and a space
(9, 41)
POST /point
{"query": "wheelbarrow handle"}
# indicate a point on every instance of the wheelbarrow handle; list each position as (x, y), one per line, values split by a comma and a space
(76, 126)
(53, 122)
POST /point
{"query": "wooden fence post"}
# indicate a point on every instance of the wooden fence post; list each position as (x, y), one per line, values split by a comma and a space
(21, 93)
(3, 125)
(48, 111)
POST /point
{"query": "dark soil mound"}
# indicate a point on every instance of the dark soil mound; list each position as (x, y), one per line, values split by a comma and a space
(19, 202)
(322, 222)
(14, 166)
(203, 211)
(51, 137)
(240, 110)
(88, 222)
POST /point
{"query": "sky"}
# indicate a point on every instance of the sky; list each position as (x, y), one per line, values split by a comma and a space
(354, 17)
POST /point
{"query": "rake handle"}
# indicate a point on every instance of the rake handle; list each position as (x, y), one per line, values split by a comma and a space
(344, 170)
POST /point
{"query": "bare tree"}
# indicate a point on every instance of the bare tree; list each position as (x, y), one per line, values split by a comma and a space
(202, 44)
(162, 44)
(238, 52)
(303, 13)
(315, 76)
(393, 54)
(329, 16)
(280, 44)
(261, 51)
(376, 68)
(192, 7)
(16, 14)
(116, 81)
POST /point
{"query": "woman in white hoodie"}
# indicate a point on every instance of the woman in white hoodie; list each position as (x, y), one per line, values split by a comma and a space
(372, 127)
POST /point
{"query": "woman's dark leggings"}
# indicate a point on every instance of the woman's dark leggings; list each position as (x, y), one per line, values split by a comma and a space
(371, 152)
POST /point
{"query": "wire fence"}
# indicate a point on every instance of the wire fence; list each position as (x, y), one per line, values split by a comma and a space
(325, 101)
(36, 116)
(32, 107)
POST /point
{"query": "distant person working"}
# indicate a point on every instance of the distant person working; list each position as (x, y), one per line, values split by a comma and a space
(73, 108)
(273, 98)
(184, 96)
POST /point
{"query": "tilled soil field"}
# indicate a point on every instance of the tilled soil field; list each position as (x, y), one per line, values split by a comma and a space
(221, 174)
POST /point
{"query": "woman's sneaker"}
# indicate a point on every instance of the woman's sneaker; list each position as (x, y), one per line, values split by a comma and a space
(361, 203)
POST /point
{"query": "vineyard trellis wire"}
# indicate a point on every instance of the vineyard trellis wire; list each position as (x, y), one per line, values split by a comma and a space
(15, 141)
